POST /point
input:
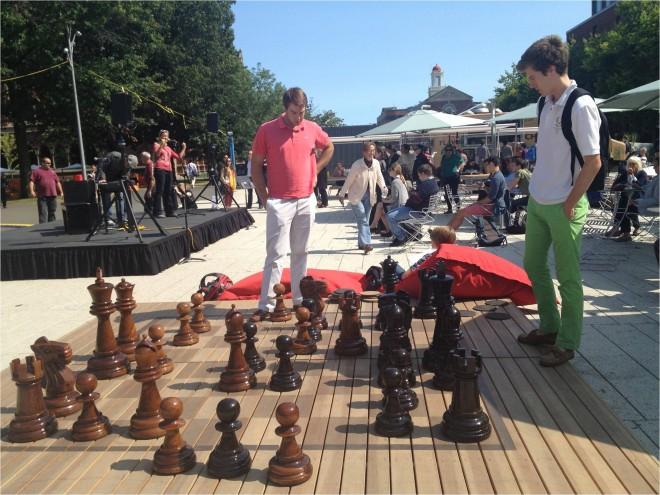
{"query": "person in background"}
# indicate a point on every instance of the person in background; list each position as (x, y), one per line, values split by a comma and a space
(506, 152)
(422, 158)
(163, 194)
(228, 177)
(439, 235)
(449, 174)
(631, 190)
(520, 190)
(192, 172)
(397, 197)
(148, 179)
(482, 153)
(321, 189)
(407, 159)
(250, 190)
(3, 189)
(45, 186)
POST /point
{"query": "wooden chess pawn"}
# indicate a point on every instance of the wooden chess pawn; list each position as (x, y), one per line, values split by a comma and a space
(91, 424)
(252, 356)
(290, 466)
(157, 337)
(185, 335)
(61, 398)
(229, 458)
(394, 420)
(127, 337)
(350, 341)
(303, 343)
(145, 421)
(32, 421)
(238, 375)
(465, 420)
(281, 312)
(199, 323)
(108, 361)
(284, 378)
(175, 455)
(395, 335)
(315, 320)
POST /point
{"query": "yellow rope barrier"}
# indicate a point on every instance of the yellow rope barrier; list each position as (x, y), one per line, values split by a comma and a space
(34, 73)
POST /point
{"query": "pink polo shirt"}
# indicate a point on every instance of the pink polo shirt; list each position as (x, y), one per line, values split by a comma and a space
(290, 156)
(164, 156)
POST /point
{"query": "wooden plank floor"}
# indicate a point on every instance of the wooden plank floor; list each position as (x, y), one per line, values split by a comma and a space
(551, 433)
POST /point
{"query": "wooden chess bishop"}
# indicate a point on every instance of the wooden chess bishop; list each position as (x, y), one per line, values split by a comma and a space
(290, 466)
(238, 375)
(175, 455)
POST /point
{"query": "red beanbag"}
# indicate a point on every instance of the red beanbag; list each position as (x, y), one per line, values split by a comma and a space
(249, 287)
(477, 274)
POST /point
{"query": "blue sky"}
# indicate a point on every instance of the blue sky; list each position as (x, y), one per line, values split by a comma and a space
(357, 57)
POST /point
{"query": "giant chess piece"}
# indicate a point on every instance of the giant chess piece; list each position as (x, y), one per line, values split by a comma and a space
(465, 420)
(290, 466)
(238, 375)
(395, 335)
(127, 338)
(316, 290)
(281, 312)
(108, 361)
(185, 335)
(252, 356)
(284, 378)
(145, 421)
(446, 334)
(315, 320)
(175, 455)
(157, 337)
(61, 398)
(425, 309)
(350, 341)
(199, 323)
(390, 278)
(401, 360)
(32, 421)
(303, 343)
(91, 424)
(229, 458)
(393, 420)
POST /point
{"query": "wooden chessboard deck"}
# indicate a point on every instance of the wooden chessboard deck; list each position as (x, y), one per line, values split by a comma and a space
(551, 433)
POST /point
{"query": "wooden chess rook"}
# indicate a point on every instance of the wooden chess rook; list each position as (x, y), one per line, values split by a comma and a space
(229, 458)
(252, 356)
(175, 455)
(127, 337)
(350, 341)
(61, 398)
(290, 466)
(303, 343)
(145, 421)
(32, 421)
(91, 424)
(281, 312)
(108, 361)
(157, 337)
(238, 375)
(185, 335)
(199, 323)
(284, 378)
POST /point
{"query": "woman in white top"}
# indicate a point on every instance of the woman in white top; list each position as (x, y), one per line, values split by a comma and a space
(398, 197)
(360, 188)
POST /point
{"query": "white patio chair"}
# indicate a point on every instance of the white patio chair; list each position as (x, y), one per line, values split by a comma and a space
(416, 224)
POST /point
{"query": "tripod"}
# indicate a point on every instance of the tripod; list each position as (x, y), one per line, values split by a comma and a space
(220, 189)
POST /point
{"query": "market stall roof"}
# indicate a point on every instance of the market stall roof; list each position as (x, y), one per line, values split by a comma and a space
(422, 120)
(640, 98)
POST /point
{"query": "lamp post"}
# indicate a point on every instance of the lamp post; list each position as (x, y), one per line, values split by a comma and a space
(69, 55)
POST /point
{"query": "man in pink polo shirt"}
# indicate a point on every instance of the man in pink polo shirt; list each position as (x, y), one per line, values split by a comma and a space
(288, 144)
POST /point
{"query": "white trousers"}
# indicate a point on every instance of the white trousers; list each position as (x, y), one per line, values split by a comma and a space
(288, 225)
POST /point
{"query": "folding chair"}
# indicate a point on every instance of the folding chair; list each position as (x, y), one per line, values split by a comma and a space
(497, 222)
(416, 224)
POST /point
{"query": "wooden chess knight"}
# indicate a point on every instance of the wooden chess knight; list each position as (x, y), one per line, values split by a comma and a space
(290, 466)
(280, 312)
(199, 323)
(350, 341)
(91, 424)
(127, 337)
(61, 398)
(32, 421)
(185, 335)
(316, 290)
(303, 343)
(108, 361)
(229, 458)
(237, 376)
(175, 455)
(145, 421)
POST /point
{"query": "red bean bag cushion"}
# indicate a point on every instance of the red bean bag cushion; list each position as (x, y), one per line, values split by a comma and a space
(477, 274)
(249, 287)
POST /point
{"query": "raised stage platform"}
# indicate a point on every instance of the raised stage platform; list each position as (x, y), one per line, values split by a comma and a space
(47, 251)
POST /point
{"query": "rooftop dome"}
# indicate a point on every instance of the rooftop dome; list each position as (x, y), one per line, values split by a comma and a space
(436, 68)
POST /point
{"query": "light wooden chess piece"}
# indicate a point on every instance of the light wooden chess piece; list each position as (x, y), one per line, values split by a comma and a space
(61, 398)
(185, 336)
(290, 466)
(175, 455)
(199, 323)
(91, 424)
(157, 336)
(281, 312)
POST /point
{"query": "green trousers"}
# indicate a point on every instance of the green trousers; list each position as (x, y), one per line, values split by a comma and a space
(548, 225)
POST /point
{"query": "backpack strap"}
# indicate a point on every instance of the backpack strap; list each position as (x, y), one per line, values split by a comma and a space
(539, 107)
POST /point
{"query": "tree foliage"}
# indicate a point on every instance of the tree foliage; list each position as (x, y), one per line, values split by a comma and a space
(513, 92)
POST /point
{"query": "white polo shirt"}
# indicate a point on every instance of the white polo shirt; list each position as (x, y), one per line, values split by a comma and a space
(551, 180)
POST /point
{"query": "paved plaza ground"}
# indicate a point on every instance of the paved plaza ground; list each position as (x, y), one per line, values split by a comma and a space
(618, 356)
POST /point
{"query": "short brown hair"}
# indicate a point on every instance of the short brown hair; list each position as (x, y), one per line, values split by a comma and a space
(396, 168)
(547, 51)
(294, 95)
(443, 235)
(367, 144)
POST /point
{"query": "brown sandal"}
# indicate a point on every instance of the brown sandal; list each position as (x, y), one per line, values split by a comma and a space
(535, 337)
(557, 356)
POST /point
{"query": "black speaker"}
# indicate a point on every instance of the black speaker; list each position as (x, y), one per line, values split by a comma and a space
(212, 122)
(80, 219)
(122, 112)
(79, 193)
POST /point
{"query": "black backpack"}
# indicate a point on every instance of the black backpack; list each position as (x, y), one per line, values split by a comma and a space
(598, 183)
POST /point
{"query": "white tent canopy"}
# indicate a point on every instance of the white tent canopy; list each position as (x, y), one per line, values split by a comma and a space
(422, 120)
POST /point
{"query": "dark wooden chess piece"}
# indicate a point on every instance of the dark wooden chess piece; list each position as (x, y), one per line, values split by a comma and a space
(465, 420)
(108, 361)
(316, 290)
(229, 458)
(401, 360)
(252, 356)
(157, 336)
(350, 341)
(238, 375)
(395, 335)
(281, 312)
(145, 421)
(91, 424)
(290, 466)
(446, 333)
(303, 343)
(32, 421)
(315, 320)
(284, 377)
(390, 278)
(199, 323)
(59, 379)
(425, 309)
(393, 420)
(127, 338)
(185, 335)
(175, 455)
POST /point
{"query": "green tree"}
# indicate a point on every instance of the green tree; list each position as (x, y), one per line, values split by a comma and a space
(513, 91)
(324, 118)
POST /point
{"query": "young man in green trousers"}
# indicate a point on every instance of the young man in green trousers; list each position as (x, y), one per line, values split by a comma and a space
(557, 206)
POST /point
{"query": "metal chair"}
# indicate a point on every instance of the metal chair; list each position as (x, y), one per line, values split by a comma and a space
(416, 224)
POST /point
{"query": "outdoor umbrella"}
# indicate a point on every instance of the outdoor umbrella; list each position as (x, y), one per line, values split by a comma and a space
(529, 112)
(641, 98)
(421, 120)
